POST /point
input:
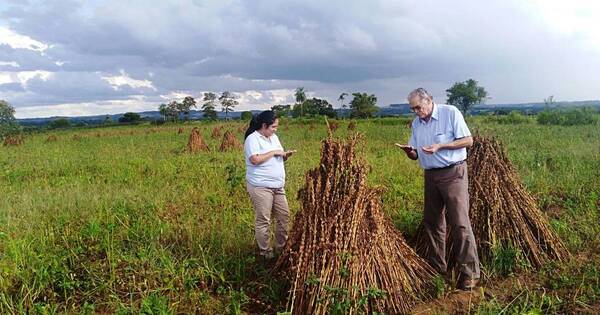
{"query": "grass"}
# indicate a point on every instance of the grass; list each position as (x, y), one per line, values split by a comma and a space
(124, 221)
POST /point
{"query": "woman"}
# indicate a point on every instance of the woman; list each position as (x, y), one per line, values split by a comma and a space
(265, 176)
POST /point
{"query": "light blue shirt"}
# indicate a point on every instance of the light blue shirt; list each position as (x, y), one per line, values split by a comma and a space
(270, 173)
(445, 125)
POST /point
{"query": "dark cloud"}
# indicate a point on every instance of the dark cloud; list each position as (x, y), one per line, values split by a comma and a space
(11, 87)
(387, 47)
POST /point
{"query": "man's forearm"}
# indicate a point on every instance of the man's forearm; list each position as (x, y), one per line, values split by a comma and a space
(458, 144)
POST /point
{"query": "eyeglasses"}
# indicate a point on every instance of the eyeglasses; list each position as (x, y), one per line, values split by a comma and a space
(415, 108)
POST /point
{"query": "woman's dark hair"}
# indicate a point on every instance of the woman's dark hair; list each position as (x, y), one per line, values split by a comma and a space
(267, 117)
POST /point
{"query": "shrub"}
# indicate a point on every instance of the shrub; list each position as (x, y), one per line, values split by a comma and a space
(247, 115)
(59, 123)
(513, 118)
(570, 117)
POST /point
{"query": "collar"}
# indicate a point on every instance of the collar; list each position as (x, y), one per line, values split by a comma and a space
(434, 114)
(262, 136)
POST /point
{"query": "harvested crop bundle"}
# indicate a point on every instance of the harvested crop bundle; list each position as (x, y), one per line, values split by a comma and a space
(51, 138)
(195, 142)
(216, 132)
(333, 125)
(13, 140)
(503, 214)
(342, 248)
(230, 142)
(352, 125)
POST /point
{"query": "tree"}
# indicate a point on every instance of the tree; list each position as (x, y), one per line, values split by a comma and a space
(465, 94)
(341, 99)
(130, 117)
(246, 115)
(8, 123)
(208, 108)
(282, 110)
(549, 101)
(163, 109)
(186, 106)
(314, 107)
(173, 109)
(59, 123)
(228, 102)
(169, 111)
(363, 105)
(300, 99)
(107, 120)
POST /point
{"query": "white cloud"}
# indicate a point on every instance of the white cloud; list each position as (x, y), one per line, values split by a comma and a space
(23, 77)
(174, 96)
(18, 41)
(577, 19)
(135, 104)
(124, 79)
(13, 64)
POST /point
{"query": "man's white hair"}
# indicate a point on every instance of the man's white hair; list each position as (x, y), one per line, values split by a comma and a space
(421, 93)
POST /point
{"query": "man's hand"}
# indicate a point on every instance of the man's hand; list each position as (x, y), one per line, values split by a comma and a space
(410, 151)
(431, 149)
(406, 148)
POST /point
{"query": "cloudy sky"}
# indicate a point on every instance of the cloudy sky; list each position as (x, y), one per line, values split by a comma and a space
(91, 57)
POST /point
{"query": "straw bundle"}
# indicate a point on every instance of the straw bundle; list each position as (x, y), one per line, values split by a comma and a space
(502, 212)
(343, 253)
(13, 140)
(230, 142)
(195, 142)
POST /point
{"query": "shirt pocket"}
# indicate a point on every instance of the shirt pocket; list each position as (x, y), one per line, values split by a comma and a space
(443, 137)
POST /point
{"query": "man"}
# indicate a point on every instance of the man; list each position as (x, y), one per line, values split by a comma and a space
(439, 140)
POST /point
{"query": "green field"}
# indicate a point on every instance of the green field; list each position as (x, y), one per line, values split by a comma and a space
(121, 219)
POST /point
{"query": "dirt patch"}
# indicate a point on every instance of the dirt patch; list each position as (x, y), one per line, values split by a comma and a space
(455, 302)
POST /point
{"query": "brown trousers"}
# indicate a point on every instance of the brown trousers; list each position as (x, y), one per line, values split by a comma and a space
(448, 190)
(267, 201)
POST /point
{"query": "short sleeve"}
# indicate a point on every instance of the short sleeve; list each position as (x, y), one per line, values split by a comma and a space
(413, 139)
(459, 125)
(251, 146)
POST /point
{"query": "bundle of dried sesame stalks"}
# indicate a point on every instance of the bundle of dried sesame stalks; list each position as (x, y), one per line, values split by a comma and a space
(503, 214)
(343, 253)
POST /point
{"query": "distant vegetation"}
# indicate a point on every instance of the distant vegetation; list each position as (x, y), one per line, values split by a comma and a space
(8, 124)
(568, 117)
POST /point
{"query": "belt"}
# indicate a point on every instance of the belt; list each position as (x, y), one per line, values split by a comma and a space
(446, 167)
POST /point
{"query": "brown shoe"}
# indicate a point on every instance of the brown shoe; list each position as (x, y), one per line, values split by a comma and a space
(468, 284)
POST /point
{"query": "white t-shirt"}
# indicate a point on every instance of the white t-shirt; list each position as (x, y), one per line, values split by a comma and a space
(271, 173)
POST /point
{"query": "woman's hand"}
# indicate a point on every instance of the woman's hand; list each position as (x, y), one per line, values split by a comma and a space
(288, 153)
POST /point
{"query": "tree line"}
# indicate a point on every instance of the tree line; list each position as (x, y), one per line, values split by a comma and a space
(175, 110)
(362, 105)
